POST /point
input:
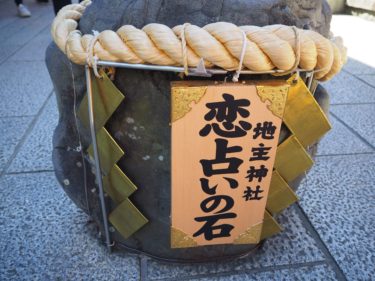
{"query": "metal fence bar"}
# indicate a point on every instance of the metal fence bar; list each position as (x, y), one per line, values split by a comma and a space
(192, 71)
(97, 159)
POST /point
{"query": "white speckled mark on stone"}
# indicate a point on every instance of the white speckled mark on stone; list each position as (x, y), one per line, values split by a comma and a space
(130, 120)
(133, 136)
(119, 134)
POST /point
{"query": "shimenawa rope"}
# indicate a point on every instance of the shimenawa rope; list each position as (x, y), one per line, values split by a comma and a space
(219, 44)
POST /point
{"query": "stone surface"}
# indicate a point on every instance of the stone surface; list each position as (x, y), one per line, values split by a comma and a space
(147, 102)
(23, 99)
(359, 68)
(50, 238)
(7, 19)
(337, 6)
(336, 141)
(14, 36)
(341, 207)
(15, 128)
(320, 272)
(368, 5)
(359, 117)
(35, 154)
(355, 91)
(370, 79)
(293, 246)
(35, 49)
(312, 14)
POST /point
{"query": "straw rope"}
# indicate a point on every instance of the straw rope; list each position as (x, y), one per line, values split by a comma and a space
(219, 44)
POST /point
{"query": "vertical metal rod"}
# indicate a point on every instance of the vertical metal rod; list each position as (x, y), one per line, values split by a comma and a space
(311, 78)
(96, 158)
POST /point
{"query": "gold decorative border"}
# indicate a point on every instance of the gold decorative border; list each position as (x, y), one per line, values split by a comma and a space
(251, 235)
(180, 239)
(182, 97)
(276, 95)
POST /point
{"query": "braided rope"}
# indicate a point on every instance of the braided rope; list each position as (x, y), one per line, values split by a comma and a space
(220, 44)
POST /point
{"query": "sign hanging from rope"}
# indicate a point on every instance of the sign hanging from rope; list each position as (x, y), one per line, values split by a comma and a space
(224, 142)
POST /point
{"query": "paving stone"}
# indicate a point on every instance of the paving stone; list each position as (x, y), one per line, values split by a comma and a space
(369, 79)
(12, 129)
(24, 35)
(7, 51)
(345, 88)
(336, 141)
(338, 198)
(48, 238)
(16, 32)
(293, 245)
(360, 118)
(320, 272)
(6, 18)
(35, 49)
(356, 67)
(17, 24)
(24, 88)
(36, 152)
(22, 30)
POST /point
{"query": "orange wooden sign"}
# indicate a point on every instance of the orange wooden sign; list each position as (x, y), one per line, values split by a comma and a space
(224, 141)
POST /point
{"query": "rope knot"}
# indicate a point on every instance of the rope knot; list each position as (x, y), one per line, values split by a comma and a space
(92, 59)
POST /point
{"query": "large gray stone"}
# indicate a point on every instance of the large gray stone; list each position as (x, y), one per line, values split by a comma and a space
(111, 14)
(147, 104)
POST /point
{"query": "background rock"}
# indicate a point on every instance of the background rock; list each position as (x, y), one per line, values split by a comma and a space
(146, 107)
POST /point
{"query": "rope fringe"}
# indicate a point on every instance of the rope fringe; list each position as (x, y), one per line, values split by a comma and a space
(236, 76)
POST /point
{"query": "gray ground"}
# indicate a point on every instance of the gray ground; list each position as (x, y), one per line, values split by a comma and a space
(330, 235)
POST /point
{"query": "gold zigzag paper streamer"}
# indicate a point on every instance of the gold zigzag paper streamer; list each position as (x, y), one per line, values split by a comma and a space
(303, 115)
(126, 218)
(307, 122)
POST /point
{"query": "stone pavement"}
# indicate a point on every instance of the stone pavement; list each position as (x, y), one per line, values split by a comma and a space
(329, 235)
